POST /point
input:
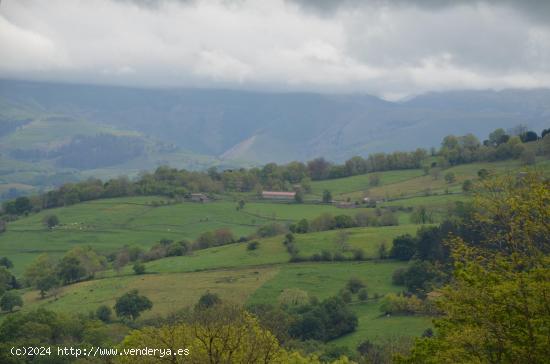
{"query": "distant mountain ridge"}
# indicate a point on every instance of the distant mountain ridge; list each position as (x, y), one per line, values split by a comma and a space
(262, 127)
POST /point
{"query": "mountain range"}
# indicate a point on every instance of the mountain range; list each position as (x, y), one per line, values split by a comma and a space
(195, 128)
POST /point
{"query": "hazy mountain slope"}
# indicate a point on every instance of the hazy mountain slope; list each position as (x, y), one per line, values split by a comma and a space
(264, 127)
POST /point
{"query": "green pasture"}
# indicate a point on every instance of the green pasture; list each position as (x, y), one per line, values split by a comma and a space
(374, 326)
(110, 224)
(367, 238)
(168, 292)
(360, 184)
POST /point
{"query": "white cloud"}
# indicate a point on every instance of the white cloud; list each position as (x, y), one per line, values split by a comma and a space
(386, 48)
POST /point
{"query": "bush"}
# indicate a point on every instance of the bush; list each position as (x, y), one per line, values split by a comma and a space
(139, 268)
(51, 221)
(253, 245)
(293, 297)
(355, 284)
(388, 219)
(269, 230)
(450, 177)
(363, 295)
(403, 247)
(316, 257)
(399, 304)
(467, 185)
(398, 276)
(104, 313)
(359, 254)
(131, 305)
(346, 295)
(343, 222)
(326, 256)
(10, 300)
(208, 300)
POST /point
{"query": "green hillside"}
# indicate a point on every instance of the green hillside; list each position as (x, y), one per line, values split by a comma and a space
(234, 271)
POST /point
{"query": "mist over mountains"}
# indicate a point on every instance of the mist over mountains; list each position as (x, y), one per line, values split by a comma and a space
(261, 127)
(46, 121)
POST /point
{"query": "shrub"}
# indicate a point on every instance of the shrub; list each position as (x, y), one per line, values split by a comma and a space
(343, 222)
(316, 257)
(104, 313)
(131, 305)
(293, 297)
(398, 276)
(208, 300)
(269, 230)
(253, 245)
(51, 221)
(355, 284)
(363, 295)
(139, 268)
(326, 256)
(403, 247)
(10, 300)
(359, 254)
(346, 295)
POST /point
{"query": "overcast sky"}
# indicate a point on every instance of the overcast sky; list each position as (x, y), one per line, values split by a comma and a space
(387, 48)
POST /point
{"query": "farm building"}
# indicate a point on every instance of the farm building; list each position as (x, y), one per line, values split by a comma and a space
(345, 205)
(199, 197)
(275, 195)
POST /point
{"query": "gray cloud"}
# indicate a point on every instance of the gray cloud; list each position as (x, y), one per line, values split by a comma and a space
(389, 48)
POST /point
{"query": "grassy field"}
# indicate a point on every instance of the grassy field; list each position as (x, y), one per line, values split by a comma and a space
(110, 224)
(171, 292)
(355, 186)
(367, 238)
(168, 292)
(232, 271)
(375, 327)
(323, 280)
(427, 185)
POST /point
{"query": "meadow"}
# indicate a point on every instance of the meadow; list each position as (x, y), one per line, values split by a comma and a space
(233, 271)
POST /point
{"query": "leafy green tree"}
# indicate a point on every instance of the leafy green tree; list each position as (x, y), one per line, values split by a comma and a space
(5, 262)
(467, 185)
(495, 310)
(354, 285)
(299, 196)
(10, 300)
(208, 300)
(363, 294)
(483, 173)
(403, 247)
(421, 215)
(7, 280)
(22, 205)
(529, 136)
(46, 283)
(450, 177)
(70, 270)
(131, 305)
(327, 196)
(302, 226)
(374, 180)
(51, 221)
(104, 313)
(343, 222)
(139, 268)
